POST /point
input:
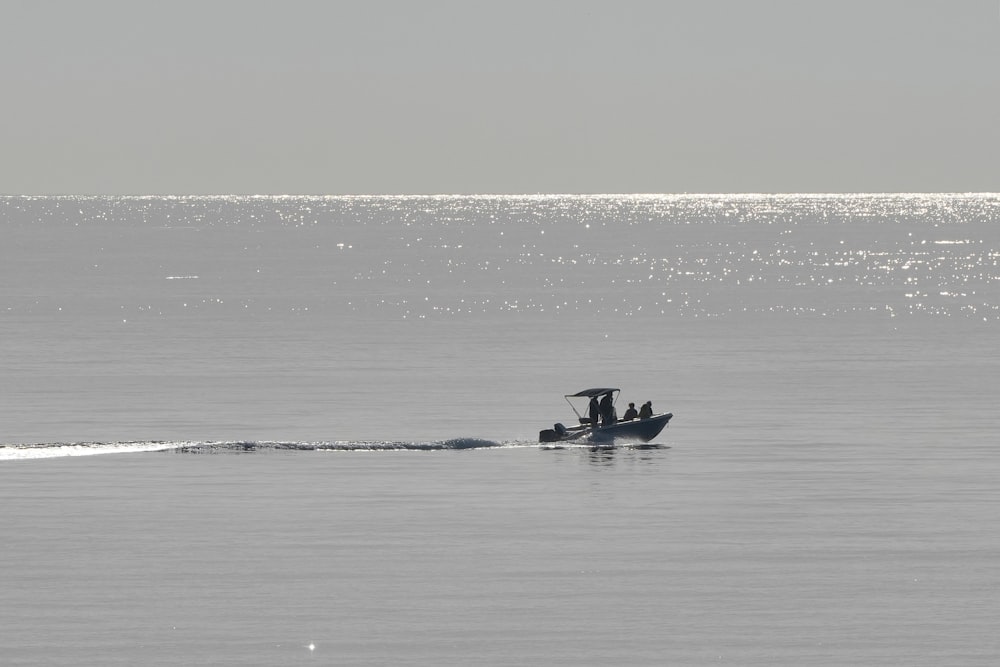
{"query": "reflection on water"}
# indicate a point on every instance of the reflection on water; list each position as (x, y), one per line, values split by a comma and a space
(460, 257)
(315, 319)
(608, 456)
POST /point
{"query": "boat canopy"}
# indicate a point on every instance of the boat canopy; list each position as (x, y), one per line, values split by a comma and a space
(590, 393)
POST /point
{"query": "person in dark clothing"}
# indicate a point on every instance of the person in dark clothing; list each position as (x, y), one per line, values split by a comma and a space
(631, 413)
(595, 411)
(607, 410)
(646, 411)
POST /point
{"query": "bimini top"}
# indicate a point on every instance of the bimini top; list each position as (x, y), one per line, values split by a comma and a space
(590, 393)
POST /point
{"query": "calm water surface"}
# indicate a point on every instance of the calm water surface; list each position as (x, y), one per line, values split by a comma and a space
(348, 392)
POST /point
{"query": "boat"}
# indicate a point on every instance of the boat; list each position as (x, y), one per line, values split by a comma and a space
(606, 431)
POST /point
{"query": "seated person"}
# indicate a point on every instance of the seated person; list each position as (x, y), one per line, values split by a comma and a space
(631, 413)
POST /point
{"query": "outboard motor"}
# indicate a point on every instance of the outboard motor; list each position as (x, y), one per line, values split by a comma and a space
(554, 434)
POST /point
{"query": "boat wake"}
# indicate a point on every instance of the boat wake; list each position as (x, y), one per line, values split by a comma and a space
(61, 449)
(343, 446)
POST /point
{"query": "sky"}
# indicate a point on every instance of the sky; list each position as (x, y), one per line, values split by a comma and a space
(467, 96)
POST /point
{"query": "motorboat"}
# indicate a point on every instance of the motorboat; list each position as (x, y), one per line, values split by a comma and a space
(596, 427)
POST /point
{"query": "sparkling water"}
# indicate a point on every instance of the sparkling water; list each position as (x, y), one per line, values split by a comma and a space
(319, 417)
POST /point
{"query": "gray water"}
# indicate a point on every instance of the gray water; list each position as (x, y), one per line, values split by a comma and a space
(345, 395)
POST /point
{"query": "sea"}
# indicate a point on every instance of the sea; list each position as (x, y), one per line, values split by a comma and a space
(297, 430)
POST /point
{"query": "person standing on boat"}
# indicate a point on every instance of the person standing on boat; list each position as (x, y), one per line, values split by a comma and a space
(607, 410)
(630, 414)
(595, 411)
(646, 411)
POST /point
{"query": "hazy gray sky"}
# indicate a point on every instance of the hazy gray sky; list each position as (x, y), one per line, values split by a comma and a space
(499, 97)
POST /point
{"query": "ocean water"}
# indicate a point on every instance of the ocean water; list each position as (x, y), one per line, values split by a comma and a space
(295, 430)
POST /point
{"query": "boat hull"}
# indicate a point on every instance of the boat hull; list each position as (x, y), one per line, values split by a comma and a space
(636, 430)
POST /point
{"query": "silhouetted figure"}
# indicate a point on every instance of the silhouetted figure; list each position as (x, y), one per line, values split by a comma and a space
(607, 410)
(630, 414)
(646, 411)
(595, 411)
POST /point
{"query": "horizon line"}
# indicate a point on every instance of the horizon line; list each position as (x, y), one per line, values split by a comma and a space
(862, 193)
